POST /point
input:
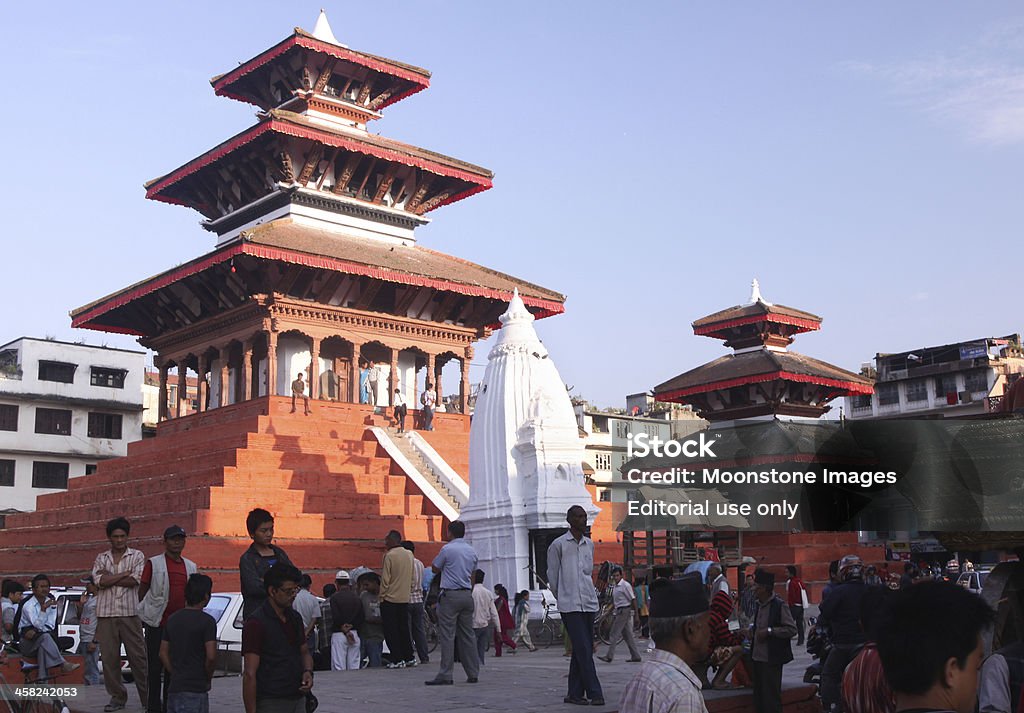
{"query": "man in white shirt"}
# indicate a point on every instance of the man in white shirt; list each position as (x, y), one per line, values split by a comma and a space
(39, 629)
(428, 400)
(570, 578)
(372, 379)
(717, 581)
(400, 409)
(308, 607)
(624, 602)
(485, 614)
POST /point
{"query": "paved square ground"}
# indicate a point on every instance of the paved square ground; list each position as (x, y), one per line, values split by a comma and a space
(521, 682)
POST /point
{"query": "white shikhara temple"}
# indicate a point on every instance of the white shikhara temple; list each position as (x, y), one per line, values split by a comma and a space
(525, 456)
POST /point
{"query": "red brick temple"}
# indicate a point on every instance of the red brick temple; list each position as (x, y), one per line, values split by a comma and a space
(760, 381)
(316, 270)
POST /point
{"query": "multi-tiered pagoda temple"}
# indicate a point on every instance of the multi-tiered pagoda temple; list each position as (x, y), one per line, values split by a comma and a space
(743, 394)
(761, 377)
(316, 265)
(316, 270)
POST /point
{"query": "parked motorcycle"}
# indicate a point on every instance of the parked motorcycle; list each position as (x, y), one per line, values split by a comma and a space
(819, 643)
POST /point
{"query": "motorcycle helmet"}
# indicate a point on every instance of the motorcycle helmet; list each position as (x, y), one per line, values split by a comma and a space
(851, 567)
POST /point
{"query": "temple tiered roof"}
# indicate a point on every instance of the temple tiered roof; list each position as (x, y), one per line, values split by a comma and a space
(760, 378)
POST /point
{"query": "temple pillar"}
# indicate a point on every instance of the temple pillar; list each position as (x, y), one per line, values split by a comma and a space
(464, 381)
(393, 376)
(314, 369)
(182, 388)
(437, 380)
(246, 371)
(161, 409)
(271, 363)
(202, 388)
(222, 376)
(356, 348)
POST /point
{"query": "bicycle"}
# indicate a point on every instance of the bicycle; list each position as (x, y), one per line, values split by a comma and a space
(11, 702)
(550, 629)
(431, 629)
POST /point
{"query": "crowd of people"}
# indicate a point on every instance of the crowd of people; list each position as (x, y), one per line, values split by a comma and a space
(916, 649)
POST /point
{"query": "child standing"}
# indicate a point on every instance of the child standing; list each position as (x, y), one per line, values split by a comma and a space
(521, 611)
(189, 649)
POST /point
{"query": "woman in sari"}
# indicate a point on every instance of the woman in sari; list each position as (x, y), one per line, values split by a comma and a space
(505, 622)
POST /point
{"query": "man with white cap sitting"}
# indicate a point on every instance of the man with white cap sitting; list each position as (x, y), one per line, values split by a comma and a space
(679, 622)
(346, 616)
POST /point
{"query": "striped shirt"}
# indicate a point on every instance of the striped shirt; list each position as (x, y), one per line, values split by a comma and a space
(118, 601)
(416, 593)
(865, 689)
(664, 684)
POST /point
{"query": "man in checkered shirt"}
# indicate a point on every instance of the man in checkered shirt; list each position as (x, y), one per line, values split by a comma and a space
(679, 625)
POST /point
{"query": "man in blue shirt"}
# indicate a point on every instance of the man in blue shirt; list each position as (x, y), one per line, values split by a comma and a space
(39, 629)
(455, 564)
(571, 580)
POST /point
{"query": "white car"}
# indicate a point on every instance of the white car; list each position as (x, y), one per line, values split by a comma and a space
(226, 609)
(973, 581)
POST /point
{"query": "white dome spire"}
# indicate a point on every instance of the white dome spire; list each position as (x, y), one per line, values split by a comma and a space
(322, 31)
(517, 323)
(755, 293)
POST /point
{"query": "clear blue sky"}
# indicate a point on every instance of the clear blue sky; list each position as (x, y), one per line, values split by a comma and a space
(862, 160)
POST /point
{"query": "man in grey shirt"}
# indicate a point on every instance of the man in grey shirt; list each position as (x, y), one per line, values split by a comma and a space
(455, 564)
(571, 579)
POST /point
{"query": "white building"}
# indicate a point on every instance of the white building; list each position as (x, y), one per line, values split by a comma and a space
(953, 380)
(63, 407)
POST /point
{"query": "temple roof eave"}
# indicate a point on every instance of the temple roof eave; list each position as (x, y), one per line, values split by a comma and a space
(289, 124)
(756, 312)
(760, 367)
(419, 77)
(545, 303)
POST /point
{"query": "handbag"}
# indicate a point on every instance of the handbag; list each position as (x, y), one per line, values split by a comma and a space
(803, 597)
(311, 702)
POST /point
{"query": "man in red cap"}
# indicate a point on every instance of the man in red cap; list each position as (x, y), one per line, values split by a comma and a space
(679, 627)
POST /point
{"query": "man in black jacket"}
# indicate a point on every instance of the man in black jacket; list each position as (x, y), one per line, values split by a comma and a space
(258, 559)
(841, 611)
(773, 628)
(278, 669)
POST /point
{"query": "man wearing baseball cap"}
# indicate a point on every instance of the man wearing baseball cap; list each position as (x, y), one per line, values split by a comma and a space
(346, 616)
(161, 593)
(679, 622)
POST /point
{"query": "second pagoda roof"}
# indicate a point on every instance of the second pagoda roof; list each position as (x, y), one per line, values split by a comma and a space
(291, 124)
(757, 367)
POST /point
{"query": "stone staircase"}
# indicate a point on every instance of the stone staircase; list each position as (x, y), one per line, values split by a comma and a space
(407, 449)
